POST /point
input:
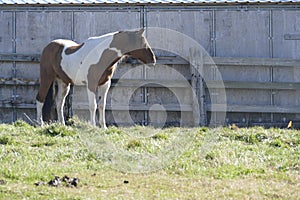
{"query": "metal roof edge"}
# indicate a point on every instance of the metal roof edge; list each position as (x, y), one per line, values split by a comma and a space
(171, 3)
(152, 4)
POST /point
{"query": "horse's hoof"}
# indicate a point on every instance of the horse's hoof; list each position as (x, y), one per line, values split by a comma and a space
(104, 127)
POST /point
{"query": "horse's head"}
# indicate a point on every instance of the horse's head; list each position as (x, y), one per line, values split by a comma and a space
(134, 44)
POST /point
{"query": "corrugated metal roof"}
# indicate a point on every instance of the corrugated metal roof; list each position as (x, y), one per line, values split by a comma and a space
(24, 2)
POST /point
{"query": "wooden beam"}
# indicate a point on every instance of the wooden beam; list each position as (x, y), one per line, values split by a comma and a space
(139, 107)
(19, 81)
(10, 57)
(175, 107)
(171, 60)
(176, 60)
(292, 36)
(197, 82)
(150, 83)
(18, 105)
(264, 62)
(253, 85)
(155, 83)
(253, 108)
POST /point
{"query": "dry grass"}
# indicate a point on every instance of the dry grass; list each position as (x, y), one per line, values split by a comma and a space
(147, 163)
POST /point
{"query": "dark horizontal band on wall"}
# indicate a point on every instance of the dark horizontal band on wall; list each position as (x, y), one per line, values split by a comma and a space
(253, 108)
(175, 108)
(219, 61)
(156, 83)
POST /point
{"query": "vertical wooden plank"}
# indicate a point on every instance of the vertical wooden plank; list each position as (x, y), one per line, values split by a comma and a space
(242, 34)
(191, 23)
(35, 29)
(196, 69)
(6, 34)
(100, 22)
(286, 26)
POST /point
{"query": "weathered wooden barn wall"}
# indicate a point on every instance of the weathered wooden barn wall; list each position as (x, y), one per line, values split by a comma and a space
(256, 31)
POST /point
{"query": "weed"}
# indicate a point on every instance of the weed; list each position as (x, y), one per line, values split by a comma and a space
(22, 124)
(209, 156)
(133, 144)
(43, 143)
(233, 171)
(246, 136)
(278, 143)
(203, 129)
(56, 129)
(113, 130)
(6, 140)
(10, 174)
(160, 136)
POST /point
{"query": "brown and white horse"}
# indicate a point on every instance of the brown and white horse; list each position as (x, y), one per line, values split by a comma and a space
(91, 63)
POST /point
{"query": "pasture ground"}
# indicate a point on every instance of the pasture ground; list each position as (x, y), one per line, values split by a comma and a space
(148, 163)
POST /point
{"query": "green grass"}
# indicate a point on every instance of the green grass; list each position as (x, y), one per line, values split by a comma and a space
(147, 163)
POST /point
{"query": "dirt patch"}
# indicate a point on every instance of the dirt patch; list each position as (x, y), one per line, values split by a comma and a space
(2, 182)
(65, 181)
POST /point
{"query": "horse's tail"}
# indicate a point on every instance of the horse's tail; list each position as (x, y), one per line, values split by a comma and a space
(49, 108)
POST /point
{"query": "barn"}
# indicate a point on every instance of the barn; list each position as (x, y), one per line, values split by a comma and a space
(247, 71)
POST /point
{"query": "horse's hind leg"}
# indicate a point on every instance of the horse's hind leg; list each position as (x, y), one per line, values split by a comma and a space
(102, 91)
(39, 112)
(63, 90)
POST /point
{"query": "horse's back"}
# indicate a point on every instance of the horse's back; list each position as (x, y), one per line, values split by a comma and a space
(77, 64)
(73, 60)
(54, 48)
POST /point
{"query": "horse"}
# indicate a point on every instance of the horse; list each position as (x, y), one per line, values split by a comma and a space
(91, 63)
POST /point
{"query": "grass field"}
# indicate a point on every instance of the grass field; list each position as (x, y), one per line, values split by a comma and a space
(148, 163)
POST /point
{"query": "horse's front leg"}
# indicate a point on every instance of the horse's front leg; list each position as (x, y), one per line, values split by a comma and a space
(63, 90)
(92, 106)
(102, 91)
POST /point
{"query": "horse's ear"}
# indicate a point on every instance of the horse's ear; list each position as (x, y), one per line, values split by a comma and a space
(141, 32)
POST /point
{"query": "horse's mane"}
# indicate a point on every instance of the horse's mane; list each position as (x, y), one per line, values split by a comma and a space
(102, 36)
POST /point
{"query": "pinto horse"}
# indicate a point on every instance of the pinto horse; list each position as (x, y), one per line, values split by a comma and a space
(91, 63)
